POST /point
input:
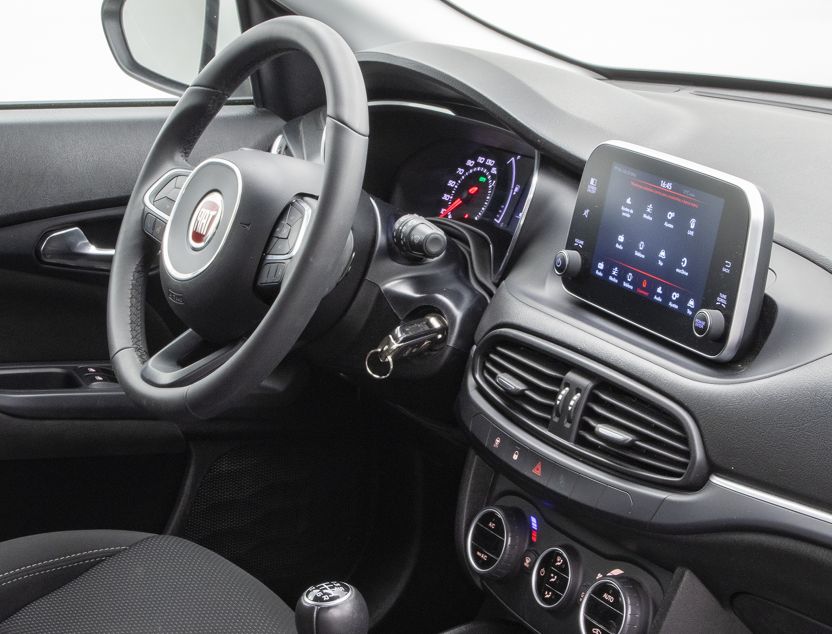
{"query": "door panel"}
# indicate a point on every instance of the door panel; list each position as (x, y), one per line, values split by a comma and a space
(69, 160)
(71, 167)
(76, 456)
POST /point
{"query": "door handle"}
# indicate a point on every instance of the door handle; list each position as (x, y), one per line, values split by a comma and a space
(72, 248)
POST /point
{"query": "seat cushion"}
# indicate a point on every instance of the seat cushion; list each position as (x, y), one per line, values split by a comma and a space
(141, 583)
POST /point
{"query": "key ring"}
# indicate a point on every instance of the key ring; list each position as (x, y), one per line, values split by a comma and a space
(388, 361)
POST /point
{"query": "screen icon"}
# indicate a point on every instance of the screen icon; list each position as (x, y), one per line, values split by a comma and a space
(692, 224)
(586, 213)
(662, 254)
(671, 215)
(674, 295)
(593, 186)
(684, 262)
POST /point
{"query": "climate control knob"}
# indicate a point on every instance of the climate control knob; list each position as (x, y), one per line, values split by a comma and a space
(614, 605)
(496, 541)
(555, 578)
(567, 263)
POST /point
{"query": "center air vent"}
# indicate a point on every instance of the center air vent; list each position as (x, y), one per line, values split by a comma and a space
(632, 435)
(597, 415)
(524, 381)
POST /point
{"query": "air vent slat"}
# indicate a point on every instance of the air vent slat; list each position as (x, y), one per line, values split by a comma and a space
(638, 428)
(632, 409)
(660, 447)
(541, 413)
(490, 372)
(522, 373)
(628, 456)
(682, 457)
(540, 367)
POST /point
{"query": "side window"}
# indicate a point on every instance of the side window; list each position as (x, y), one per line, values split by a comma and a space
(56, 51)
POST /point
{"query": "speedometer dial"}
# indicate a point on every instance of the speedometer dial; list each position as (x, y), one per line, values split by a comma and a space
(469, 192)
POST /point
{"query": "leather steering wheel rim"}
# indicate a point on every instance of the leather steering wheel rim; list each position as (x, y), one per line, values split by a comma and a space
(314, 271)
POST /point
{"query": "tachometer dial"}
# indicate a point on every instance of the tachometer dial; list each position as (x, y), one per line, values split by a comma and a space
(470, 190)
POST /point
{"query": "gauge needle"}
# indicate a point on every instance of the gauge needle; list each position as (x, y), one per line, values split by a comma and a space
(471, 192)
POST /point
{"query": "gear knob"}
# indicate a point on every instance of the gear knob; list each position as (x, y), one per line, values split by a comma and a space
(333, 607)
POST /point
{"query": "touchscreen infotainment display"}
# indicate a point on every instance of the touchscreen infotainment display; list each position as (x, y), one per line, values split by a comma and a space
(656, 238)
(670, 246)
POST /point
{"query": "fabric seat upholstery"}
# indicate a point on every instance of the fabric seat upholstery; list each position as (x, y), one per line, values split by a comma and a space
(124, 582)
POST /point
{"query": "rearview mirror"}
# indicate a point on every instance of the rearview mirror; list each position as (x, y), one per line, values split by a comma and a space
(166, 44)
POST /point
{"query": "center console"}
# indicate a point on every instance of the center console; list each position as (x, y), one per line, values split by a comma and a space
(552, 582)
(587, 466)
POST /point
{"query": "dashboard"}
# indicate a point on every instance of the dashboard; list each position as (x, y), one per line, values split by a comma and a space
(603, 430)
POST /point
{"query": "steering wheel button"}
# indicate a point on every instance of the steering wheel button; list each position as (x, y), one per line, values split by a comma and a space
(168, 190)
(281, 246)
(149, 222)
(164, 204)
(159, 229)
(295, 216)
(272, 273)
(283, 230)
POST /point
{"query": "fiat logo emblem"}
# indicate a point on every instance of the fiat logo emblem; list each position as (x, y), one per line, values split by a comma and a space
(205, 220)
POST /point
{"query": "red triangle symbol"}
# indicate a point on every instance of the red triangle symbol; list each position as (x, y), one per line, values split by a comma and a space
(538, 469)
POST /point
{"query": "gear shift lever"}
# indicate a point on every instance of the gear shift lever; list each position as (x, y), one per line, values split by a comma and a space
(333, 607)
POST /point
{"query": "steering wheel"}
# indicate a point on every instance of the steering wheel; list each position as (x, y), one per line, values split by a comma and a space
(220, 236)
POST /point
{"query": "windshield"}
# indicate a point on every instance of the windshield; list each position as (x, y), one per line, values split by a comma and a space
(765, 40)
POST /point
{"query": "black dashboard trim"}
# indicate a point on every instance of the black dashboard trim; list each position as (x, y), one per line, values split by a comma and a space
(721, 505)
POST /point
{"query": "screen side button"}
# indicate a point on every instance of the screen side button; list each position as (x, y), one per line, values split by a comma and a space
(567, 263)
(708, 323)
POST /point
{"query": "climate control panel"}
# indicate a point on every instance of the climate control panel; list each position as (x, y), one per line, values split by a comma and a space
(551, 581)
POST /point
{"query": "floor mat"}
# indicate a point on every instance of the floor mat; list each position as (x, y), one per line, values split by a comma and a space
(292, 511)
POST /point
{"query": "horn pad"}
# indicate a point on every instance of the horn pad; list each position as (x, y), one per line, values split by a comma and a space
(213, 244)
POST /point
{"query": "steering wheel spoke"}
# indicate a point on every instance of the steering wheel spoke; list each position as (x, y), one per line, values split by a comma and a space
(159, 200)
(186, 359)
